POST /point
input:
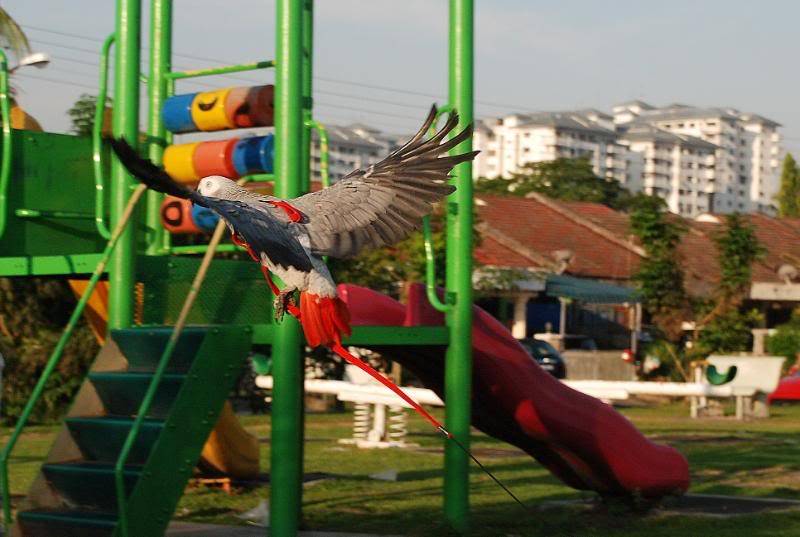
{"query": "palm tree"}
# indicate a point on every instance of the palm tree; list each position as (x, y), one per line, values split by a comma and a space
(12, 36)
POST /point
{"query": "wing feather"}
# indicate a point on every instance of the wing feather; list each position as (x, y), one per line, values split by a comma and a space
(384, 203)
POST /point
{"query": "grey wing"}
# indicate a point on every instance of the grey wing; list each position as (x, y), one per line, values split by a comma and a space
(385, 203)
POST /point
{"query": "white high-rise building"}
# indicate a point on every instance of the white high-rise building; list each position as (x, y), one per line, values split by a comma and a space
(746, 170)
(677, 167)
(698, 159)
(509, 143)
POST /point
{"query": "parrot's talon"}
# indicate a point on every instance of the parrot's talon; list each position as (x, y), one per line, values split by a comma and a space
(282, 302)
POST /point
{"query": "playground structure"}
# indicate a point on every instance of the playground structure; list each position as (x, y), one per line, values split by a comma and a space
(150, 401)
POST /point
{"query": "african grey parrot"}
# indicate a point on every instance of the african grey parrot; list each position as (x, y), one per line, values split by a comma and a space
(366, 209)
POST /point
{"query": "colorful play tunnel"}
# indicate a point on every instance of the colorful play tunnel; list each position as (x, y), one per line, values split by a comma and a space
(188, 163)
(180, 217)
(229, 108)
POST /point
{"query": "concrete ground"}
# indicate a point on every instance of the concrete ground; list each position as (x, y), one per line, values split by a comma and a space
(189, 529)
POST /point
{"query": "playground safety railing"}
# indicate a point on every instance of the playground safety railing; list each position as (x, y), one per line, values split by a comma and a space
(430, 258)
(322, 132)
(55, 356)
(5, 165)
(97, 139)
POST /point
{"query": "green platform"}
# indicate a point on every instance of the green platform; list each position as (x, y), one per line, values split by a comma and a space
(51, 207)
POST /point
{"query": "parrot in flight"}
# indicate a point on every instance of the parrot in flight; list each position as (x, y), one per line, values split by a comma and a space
(368, 208)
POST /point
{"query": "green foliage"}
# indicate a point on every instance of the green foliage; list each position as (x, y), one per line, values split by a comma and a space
(728, 332)
(82, 114)
(563, 179)
(660, 277)
(789, 195)
(786, 340)
(738, 248)
(385, 269)
(33, 313)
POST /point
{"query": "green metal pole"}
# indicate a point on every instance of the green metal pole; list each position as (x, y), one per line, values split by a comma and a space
(286, 465)
(126, 125)
(458, 366)
(308, 69)
(5, 165)
(160, 64)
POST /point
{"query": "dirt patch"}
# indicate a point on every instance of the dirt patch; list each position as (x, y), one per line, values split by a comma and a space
(772, 477)
(712, 504)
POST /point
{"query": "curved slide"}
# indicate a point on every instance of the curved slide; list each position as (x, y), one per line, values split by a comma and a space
(580, 439)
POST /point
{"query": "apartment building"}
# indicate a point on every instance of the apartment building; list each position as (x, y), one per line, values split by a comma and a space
(351, 147)
(698, 159)
(509, 143)
(745, 176)
(677, 167)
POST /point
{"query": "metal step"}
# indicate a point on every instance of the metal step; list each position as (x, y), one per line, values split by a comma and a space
(143, 347)
(122, 392)
(89, 485)
(66, 523)
(101, 439)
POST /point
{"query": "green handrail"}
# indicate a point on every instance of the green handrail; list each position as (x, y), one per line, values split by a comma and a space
(322, 132)
(430, 260)
(55, 356)
(430, 270)
(97, 139)
(5, 165)
(161, 368)
(66, 215)
(253, 66)
(202, 248)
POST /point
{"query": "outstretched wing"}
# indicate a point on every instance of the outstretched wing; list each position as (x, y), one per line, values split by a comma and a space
(386, 202)
(260, 230)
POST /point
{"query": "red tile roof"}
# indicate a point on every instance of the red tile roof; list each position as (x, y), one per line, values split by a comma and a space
(544, 230)
(600, 240)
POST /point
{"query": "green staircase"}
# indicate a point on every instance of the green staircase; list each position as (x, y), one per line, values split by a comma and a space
(74, 494)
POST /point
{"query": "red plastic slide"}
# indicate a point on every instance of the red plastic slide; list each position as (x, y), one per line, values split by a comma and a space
(580, 439)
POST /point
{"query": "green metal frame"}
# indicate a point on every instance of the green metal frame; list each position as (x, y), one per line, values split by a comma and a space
(286, 462)
(5, 165)
(125, 125)
(458, 362)
(158, 240)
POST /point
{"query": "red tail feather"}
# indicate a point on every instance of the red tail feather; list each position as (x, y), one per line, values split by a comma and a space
(324, 319)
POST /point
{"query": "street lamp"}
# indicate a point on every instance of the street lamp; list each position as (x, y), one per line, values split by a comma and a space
(35, 59)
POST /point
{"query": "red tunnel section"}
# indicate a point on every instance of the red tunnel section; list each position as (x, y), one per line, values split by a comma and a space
(580, 439)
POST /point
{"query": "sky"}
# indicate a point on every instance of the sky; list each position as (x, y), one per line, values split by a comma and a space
(384, 62)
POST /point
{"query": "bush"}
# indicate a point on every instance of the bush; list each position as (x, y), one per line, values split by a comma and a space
(786, 340)
(33, 313)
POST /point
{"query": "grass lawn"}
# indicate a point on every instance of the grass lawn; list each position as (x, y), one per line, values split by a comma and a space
(757, 458)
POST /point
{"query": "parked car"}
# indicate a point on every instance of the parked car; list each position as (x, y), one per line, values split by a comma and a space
(788, 390)
(546, 356)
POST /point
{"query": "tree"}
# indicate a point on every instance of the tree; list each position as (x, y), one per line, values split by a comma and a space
(726, 327)
(82, 114)
(12, 36)
(789, 195)
(738, 249)
(660, 277)
(564, 179)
